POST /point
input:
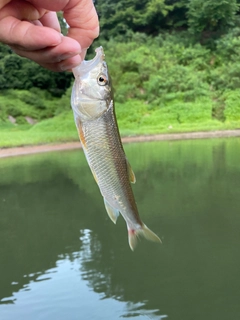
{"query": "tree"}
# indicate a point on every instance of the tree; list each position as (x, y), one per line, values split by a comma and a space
(118, 17)
(211, 15)
(12, 70)
(177, 17)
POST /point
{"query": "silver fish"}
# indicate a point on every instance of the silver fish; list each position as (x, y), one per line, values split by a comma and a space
(93, 108)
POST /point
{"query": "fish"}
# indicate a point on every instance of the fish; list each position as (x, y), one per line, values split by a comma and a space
(93, 109)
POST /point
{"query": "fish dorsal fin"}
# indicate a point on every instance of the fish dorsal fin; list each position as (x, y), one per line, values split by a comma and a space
(131, 174)
(112, 212)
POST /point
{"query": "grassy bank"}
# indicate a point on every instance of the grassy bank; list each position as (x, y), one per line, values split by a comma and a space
(58, 129)
(62, 128)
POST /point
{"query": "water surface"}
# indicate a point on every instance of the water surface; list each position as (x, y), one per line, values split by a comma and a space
(62, 258)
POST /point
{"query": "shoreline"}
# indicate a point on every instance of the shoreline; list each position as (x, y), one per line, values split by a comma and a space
(26, 150)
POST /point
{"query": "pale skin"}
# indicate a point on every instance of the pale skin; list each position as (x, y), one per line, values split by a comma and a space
(32, 30)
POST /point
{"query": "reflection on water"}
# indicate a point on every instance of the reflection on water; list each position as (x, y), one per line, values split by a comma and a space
(61, 256)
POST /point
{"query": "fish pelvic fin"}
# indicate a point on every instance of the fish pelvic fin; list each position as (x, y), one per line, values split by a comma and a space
(133, 236)
(131, 174)
(112, 212)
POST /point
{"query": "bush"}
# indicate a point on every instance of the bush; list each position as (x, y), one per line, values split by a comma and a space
(232, 105)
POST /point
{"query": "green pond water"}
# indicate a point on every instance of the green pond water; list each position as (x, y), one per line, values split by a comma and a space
(62, 258)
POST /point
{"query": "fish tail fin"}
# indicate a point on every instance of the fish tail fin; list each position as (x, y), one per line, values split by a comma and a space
(144, 231)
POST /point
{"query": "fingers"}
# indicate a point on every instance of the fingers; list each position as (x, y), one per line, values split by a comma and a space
(61, 57)
(43, 45)
(26, 35)
(34, 32)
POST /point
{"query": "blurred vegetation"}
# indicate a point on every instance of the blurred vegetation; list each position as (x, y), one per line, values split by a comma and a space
(175, 67)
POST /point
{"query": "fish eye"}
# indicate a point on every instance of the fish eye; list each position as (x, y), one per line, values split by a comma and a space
(102, 80)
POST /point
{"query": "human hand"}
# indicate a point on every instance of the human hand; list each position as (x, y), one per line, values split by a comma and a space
(32, 30)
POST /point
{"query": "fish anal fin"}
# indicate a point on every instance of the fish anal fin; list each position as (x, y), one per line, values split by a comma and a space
(133, 235)
(131, 174)
(111, 211)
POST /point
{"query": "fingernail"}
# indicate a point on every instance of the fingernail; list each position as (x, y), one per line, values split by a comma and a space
(57, 40)
(83, 53)
(68, 65)
(68, 55)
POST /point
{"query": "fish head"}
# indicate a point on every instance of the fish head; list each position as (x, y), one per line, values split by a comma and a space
(92, 93)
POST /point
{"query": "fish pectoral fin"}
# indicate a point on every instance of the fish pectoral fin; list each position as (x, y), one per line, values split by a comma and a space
(143, 231)
(131, 174)
(81, 133)
(94, 175)
(112, 212)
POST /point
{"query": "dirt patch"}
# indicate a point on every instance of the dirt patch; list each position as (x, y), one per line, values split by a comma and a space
(9, 152)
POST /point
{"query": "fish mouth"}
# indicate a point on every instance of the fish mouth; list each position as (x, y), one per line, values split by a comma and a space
(86, 66)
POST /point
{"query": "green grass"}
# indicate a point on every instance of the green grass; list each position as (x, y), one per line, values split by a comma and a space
(136, 118)
(58, 129)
